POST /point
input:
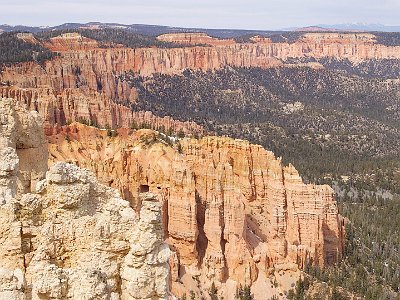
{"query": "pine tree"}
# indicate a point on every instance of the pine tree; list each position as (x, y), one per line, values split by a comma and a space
(192, 295)
(213, 292)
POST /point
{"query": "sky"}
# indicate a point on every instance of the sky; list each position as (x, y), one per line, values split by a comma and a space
(250, 14)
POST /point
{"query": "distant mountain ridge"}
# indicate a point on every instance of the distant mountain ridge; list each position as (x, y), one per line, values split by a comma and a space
(362, 27)
(144, 29)
(347, 27)
(154, 30)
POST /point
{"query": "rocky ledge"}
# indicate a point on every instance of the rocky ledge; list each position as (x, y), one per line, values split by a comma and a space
(63, 235)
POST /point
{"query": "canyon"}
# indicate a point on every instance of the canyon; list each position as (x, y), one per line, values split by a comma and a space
(229, 211)
(86, 81)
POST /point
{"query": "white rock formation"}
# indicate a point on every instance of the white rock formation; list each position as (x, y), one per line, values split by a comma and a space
(144, 274)
(70, 237)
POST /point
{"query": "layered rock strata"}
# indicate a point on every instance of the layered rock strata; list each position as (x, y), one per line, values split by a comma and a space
(194, 39)
(85, 82)
(69, 237)
(90, 107)
(231, 210)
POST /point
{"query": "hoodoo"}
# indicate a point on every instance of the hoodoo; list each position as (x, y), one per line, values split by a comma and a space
(231, 210)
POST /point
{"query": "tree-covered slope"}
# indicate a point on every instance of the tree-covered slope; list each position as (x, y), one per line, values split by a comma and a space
(327, 123)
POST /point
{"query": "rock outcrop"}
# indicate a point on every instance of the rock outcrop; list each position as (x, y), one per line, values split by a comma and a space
(232, 212)
(70, 41)
(194, 39)
(65, 236)
(144, 271)
(23, 145)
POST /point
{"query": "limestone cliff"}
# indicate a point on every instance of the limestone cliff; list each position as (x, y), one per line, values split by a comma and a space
(232, 212)
(65, 236)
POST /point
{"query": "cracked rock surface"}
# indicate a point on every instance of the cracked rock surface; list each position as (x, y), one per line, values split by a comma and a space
(63, 235)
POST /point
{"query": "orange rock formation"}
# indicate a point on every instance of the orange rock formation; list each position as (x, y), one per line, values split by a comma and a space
(232, 211)
(194, 39)
(70, 41)
(90, 107)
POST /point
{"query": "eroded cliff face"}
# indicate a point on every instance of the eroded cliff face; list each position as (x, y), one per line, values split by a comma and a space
(90, 107)
(22, 132)
(194, 39)
(81, 86)
(232, 212)
(63, 235)
(85, 81)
